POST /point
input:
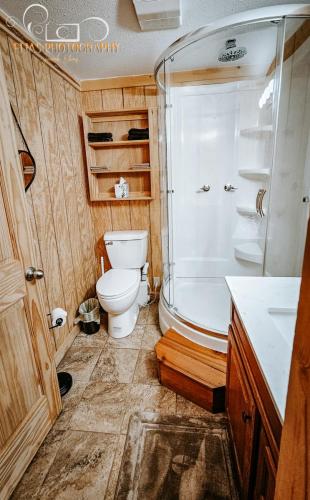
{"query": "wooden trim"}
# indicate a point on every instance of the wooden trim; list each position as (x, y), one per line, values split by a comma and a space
(22, 446)
(295, 443)
(214, 75)
(118, 114)
(117, 82)
(17, 34)
(196, 76)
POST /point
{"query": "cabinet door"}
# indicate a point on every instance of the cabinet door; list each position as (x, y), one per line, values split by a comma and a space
(266, 470)
(242, 416)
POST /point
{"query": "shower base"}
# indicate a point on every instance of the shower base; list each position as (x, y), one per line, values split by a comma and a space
(201, 311)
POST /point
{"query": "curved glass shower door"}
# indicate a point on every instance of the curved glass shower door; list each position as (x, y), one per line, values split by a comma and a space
(220, 130)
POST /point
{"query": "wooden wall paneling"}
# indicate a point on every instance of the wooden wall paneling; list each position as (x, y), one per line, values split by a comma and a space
(92, 101)
(29, 118)
(69, 179)
(102, 211)
(155, 214)
(121, 216)
(134, 97)
(117, 82)
(56, 186)
(81, 228)
(6, 59)
(83, 177)
(120, 211)
(19, 35)
(86, 224)
(112, 99)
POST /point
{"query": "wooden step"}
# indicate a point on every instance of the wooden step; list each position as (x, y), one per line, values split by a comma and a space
(195, 372)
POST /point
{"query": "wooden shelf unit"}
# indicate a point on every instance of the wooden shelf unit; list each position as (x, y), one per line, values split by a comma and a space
(116, 158)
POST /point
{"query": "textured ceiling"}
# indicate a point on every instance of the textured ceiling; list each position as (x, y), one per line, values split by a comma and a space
(138, 50)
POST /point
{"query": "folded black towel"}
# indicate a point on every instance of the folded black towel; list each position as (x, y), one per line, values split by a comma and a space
(138, 131)
(100, 137)
(136, 134)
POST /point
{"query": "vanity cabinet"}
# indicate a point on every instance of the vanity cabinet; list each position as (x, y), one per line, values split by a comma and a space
(254, 424)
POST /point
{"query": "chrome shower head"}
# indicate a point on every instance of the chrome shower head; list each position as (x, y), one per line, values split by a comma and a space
(231, 52)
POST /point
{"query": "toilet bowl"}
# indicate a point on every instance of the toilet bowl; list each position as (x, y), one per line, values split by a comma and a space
(117, 289)
(117, 292)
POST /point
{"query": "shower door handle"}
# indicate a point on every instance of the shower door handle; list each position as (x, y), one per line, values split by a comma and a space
(259, 202)
(205, 188)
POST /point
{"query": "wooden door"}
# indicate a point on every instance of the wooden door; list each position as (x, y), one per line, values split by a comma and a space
(29, 394)
(242, 415)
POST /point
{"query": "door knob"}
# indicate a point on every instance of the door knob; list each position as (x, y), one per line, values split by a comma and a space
(229, 187)
(34, 274)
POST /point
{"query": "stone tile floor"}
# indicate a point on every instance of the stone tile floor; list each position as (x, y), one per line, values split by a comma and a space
(81, 456)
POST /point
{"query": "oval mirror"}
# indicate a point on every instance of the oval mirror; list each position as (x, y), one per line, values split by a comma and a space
(28, 167)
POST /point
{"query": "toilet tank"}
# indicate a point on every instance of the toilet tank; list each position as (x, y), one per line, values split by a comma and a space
(126, 249)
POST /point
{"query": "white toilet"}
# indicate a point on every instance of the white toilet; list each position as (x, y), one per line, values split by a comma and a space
(118, 288)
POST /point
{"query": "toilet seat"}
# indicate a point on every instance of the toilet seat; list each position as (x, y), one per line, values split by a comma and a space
(117, 283)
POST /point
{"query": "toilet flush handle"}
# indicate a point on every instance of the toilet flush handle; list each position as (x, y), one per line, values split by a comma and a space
(109, 242)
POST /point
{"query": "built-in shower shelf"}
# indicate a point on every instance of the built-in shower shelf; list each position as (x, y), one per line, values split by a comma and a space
(250, 252)
(256, 132)
(255, 173)
(247, 211)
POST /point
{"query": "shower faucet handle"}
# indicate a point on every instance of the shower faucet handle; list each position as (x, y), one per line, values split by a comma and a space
(229, 187)
(205, 188)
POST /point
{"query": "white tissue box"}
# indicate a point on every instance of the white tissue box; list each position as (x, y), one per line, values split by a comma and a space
(121, 190)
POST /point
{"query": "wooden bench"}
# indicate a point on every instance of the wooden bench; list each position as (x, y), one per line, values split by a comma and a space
(193, 371)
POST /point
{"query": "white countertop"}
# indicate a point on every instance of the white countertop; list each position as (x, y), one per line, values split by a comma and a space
(267, 308)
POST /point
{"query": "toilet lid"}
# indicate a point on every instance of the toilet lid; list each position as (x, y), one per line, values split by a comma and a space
(117, 282)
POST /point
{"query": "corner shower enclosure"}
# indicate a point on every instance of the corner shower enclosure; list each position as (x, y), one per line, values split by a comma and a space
(235, 162)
